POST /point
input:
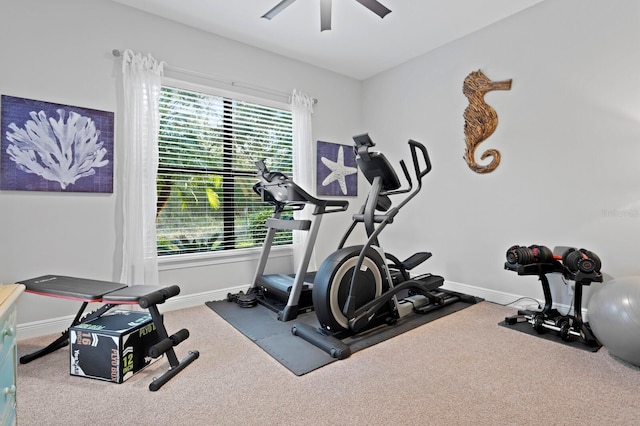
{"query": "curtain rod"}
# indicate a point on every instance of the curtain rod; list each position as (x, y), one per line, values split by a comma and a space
(118, 53)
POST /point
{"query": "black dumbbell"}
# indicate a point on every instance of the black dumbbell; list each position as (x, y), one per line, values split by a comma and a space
(581, 260)
(527, 255)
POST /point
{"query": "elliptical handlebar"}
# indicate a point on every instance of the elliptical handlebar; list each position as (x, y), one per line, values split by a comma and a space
(420, 173)
(374, 164)
(384, 182)
(407, 176)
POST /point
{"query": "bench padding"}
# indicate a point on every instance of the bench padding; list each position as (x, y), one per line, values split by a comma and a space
(71, 287)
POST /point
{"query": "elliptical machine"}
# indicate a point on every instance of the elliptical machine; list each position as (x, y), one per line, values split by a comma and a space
(360, 287)
(286, 294)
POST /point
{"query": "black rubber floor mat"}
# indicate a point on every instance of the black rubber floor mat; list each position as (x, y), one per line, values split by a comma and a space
(261, 326)
(527, 328)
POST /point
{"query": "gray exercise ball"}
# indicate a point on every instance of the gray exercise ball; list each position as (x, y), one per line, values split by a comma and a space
(614, 317)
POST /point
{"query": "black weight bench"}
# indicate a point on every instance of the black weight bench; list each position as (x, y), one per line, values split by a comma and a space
(113, 294)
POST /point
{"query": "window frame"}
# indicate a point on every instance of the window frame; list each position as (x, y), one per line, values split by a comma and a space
(188, 260)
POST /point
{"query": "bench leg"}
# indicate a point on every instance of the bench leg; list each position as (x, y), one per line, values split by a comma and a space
(165, 346)
(63, 340)
(168, 375)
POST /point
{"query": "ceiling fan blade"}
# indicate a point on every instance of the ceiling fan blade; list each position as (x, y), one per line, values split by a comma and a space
(325, 15)
(277, 9)
(375, 6)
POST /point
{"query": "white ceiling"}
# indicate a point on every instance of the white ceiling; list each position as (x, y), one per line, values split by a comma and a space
(360, 43)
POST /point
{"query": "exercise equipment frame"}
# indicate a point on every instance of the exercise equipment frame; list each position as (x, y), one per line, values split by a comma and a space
(548, 319)
(374, 294)
(113, 294)
(287, 295)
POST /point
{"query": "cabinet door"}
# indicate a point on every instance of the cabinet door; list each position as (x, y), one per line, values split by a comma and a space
(8, 352)
(8, 387)
(7, 332)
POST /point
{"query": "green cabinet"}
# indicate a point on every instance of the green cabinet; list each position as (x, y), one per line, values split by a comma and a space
(8, 352)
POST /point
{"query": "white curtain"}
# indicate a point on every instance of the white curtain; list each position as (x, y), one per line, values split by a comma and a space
(142, 79)
(303, 164)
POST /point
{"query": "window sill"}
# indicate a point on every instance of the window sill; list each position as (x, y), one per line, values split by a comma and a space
(180, 261)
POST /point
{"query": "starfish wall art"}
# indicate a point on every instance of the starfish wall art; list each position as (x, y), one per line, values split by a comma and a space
(336, 171)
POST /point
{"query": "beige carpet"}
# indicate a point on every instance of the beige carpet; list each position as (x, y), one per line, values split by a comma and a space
(462, 369)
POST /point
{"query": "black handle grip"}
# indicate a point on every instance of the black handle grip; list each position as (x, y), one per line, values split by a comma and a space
(342, 204)
(414, 154)
(171, 291)
(158, 296)
(161, 347)
(165, 344)
(151, 299)
(406, 172)
(179, 336)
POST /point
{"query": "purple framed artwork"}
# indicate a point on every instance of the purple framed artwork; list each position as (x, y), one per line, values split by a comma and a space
(336, 170)
(52, 147)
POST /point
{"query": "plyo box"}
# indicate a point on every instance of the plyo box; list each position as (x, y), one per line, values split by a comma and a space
(112, 347)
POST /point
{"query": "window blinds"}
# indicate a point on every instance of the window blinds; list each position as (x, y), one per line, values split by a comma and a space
(207, 149)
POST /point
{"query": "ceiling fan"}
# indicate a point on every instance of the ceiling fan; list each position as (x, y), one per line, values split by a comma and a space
(325, 10)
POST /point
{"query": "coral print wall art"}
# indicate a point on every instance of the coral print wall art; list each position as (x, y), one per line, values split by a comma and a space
(52, 147)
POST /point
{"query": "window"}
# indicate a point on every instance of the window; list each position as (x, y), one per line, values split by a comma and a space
(207, 148)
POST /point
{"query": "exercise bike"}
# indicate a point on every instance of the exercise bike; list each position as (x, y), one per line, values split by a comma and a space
(286, 294)
(358, 288)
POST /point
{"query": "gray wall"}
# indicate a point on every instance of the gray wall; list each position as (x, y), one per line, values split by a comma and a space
(61, 52)
(569, 134)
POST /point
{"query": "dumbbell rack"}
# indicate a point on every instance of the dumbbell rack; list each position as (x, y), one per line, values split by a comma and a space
(568, 327)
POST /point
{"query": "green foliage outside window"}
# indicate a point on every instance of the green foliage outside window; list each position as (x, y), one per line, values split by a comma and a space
(207, 149)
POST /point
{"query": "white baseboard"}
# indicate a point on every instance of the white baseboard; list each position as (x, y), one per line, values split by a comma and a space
(515, 300)
(57, 325)
(489, 295)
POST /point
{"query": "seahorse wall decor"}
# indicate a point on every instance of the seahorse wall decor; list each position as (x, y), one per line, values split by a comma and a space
(480, 120)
